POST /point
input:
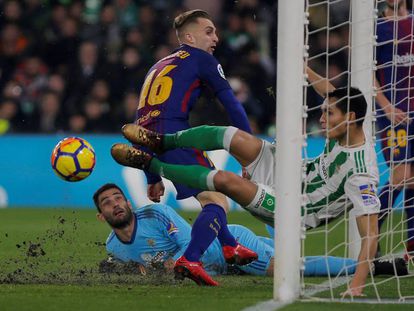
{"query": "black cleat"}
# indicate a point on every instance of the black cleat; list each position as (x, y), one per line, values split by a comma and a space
(139, 135)
(390, 266)
(127, 155)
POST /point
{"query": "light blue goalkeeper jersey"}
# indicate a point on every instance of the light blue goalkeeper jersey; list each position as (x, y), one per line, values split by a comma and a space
(160, 233)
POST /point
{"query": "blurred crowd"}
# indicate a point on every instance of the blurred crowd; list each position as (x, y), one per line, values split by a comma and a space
(78, 66)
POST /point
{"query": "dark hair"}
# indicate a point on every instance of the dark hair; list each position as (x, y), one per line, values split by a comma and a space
(102, 189)
(189, 17)
(356, 102)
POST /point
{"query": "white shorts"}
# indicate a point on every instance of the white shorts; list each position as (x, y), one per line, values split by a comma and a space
(261, 172)
(263, 167)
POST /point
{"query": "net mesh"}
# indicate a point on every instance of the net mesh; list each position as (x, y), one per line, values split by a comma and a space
(328, 41)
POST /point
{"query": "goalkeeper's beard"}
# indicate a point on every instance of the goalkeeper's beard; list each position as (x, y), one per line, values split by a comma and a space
(122, 222)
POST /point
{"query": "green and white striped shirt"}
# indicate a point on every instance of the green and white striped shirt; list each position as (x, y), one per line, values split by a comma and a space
(338, 178)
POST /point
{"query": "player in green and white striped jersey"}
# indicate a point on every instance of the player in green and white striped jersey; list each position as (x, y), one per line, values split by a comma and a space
(338, 178)
(344, 174)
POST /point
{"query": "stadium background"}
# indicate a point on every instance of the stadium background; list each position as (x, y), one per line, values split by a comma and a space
(76, 68)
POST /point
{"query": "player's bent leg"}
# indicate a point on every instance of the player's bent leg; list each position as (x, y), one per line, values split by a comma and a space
(207, 227)
(245, 147)
(235, 187)
(234, 253)
(329, 265)
(195, 176)
(321, 266)
(239, 189)
(318, 265)
(213, 197)
(201, 137)
(262, 206)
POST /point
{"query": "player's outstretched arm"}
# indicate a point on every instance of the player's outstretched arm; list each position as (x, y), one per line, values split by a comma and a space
(368, 230)
(394, 114)
(211, 72)
(321, 85)
(235, 110)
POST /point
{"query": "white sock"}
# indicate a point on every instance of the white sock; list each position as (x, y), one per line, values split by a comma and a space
(210, 180)
(228, 136)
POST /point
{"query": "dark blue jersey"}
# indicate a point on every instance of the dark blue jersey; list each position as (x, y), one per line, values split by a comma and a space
(171, 88)
(395, 61)
(395, 73)
(173, 85)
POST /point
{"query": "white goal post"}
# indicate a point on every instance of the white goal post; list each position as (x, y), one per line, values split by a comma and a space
(289, 138)
(362, 70)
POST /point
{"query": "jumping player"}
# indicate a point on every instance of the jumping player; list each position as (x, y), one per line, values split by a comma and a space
(395, 81)
(169, 92)
(346, 172)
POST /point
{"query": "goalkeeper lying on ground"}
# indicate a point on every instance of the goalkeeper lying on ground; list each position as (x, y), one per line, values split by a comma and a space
(345, 173)
(155, 235)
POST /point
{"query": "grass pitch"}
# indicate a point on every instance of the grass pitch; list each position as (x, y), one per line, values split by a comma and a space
(49, 261)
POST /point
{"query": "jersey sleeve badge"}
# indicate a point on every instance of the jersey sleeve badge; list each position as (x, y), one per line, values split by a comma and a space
(172, 228)
(221, 71)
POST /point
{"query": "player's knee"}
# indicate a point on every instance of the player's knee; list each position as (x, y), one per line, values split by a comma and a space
(224, 181)
(212, 197)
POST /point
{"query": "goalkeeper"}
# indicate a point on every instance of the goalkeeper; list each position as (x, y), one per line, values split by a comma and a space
(345, 173)
(155, 236)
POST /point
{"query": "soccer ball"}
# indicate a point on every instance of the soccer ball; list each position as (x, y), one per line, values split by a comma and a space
(73, 159)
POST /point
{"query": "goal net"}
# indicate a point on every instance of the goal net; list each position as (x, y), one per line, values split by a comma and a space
(353, 44)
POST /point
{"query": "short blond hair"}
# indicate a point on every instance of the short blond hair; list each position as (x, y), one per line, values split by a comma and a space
(189, 17)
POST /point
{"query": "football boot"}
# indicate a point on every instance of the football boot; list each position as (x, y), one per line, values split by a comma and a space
(127, 155)
(238, 255)
(390, 266)
(139, 135)
(193, 270)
